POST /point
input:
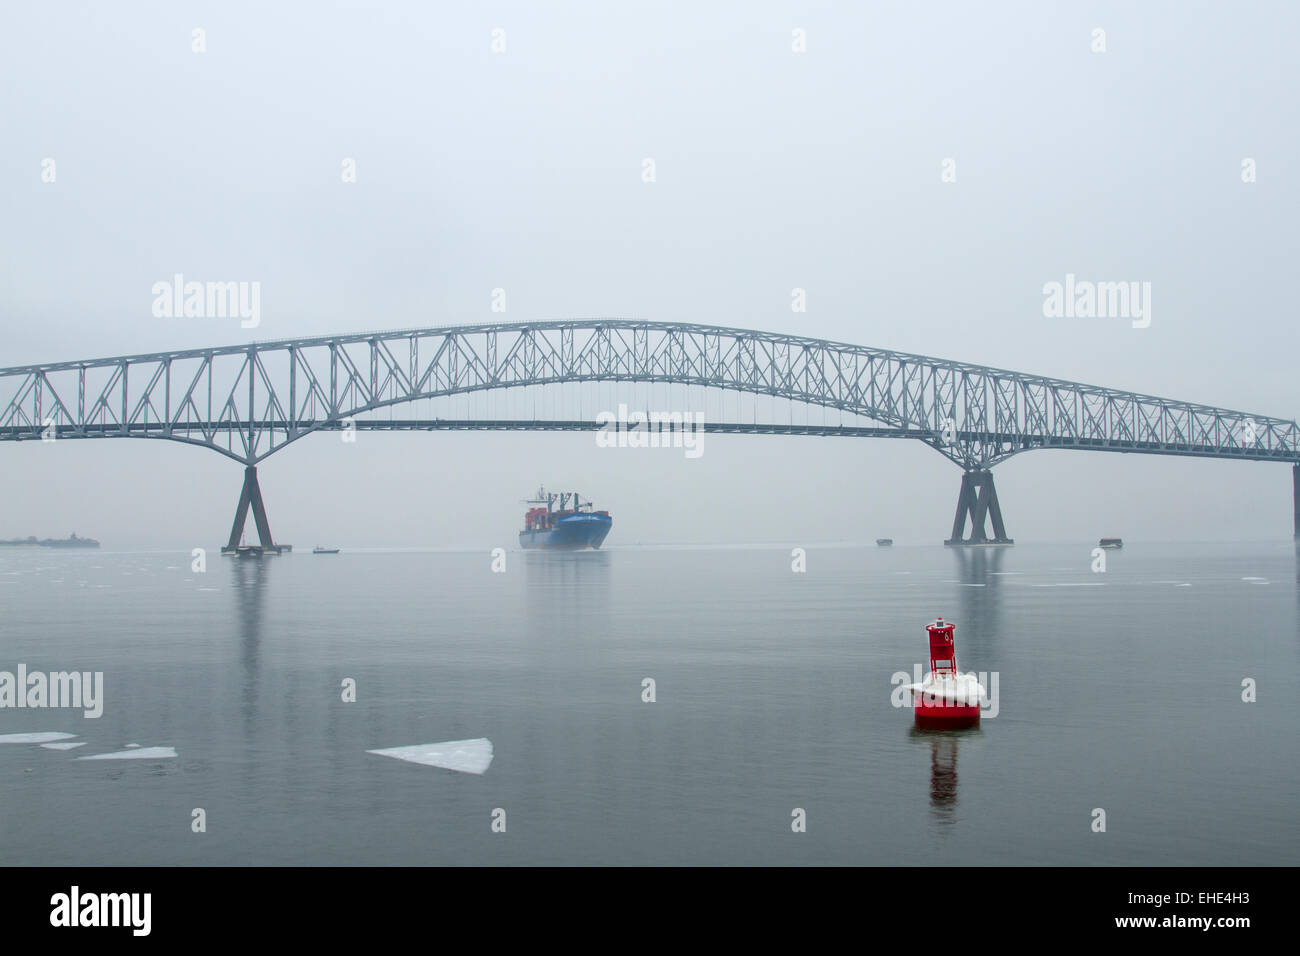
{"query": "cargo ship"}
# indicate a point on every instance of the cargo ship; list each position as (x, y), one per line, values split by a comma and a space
(563, 522)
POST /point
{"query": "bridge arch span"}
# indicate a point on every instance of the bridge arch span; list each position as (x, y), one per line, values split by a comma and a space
(249, 401)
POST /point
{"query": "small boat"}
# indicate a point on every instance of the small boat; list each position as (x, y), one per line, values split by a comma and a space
(884, 542)
(1111, 543)
(319, 550)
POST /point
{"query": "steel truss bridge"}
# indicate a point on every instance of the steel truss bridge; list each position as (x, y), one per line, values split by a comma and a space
(249, 401)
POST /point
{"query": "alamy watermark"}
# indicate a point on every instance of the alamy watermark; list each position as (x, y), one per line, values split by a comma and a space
(175, 298)
(128, 910)
(649, 429)
(57, 689)
(1085, 299)
(945, 693)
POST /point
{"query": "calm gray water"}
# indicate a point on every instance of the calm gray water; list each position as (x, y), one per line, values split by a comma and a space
(1119, 690)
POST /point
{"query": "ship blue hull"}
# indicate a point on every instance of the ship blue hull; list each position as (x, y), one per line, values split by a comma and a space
(571, 533)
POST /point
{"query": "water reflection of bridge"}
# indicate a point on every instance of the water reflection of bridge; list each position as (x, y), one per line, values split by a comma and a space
(979, 575)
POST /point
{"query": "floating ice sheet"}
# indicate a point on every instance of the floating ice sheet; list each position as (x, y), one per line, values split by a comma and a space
(65, 745)
(140, 753)
(37, 738)
(464, 756)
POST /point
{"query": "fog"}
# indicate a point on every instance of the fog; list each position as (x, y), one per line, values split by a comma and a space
(523, 170)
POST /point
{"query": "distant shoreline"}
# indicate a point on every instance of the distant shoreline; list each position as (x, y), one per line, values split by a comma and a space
(72, 541)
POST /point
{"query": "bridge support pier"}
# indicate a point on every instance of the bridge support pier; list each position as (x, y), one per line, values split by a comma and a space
(251, 497)
(978, 500)
(1295, 498)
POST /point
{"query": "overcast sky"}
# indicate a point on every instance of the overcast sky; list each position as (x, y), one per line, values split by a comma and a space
(774, 169)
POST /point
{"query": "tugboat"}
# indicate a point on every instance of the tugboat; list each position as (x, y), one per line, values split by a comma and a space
(1111, 544)
(563, 522)
(319, 550)
(947, 699)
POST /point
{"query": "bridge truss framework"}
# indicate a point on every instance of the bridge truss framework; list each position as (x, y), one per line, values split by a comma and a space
(249, 401)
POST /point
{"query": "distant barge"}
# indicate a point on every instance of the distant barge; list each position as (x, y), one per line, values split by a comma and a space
(1111, 544)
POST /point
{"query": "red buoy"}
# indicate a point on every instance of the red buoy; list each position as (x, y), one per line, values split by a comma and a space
(946, 699)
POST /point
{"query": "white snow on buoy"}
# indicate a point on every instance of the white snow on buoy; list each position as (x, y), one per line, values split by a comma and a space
(963, 689)
(463, 756)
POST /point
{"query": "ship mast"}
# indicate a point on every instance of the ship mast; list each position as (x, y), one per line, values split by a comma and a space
(551, 499)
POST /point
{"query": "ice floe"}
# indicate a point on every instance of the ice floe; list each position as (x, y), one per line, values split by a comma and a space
(36, 738)
(65, 745)
(464, 756)
(140, 753)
